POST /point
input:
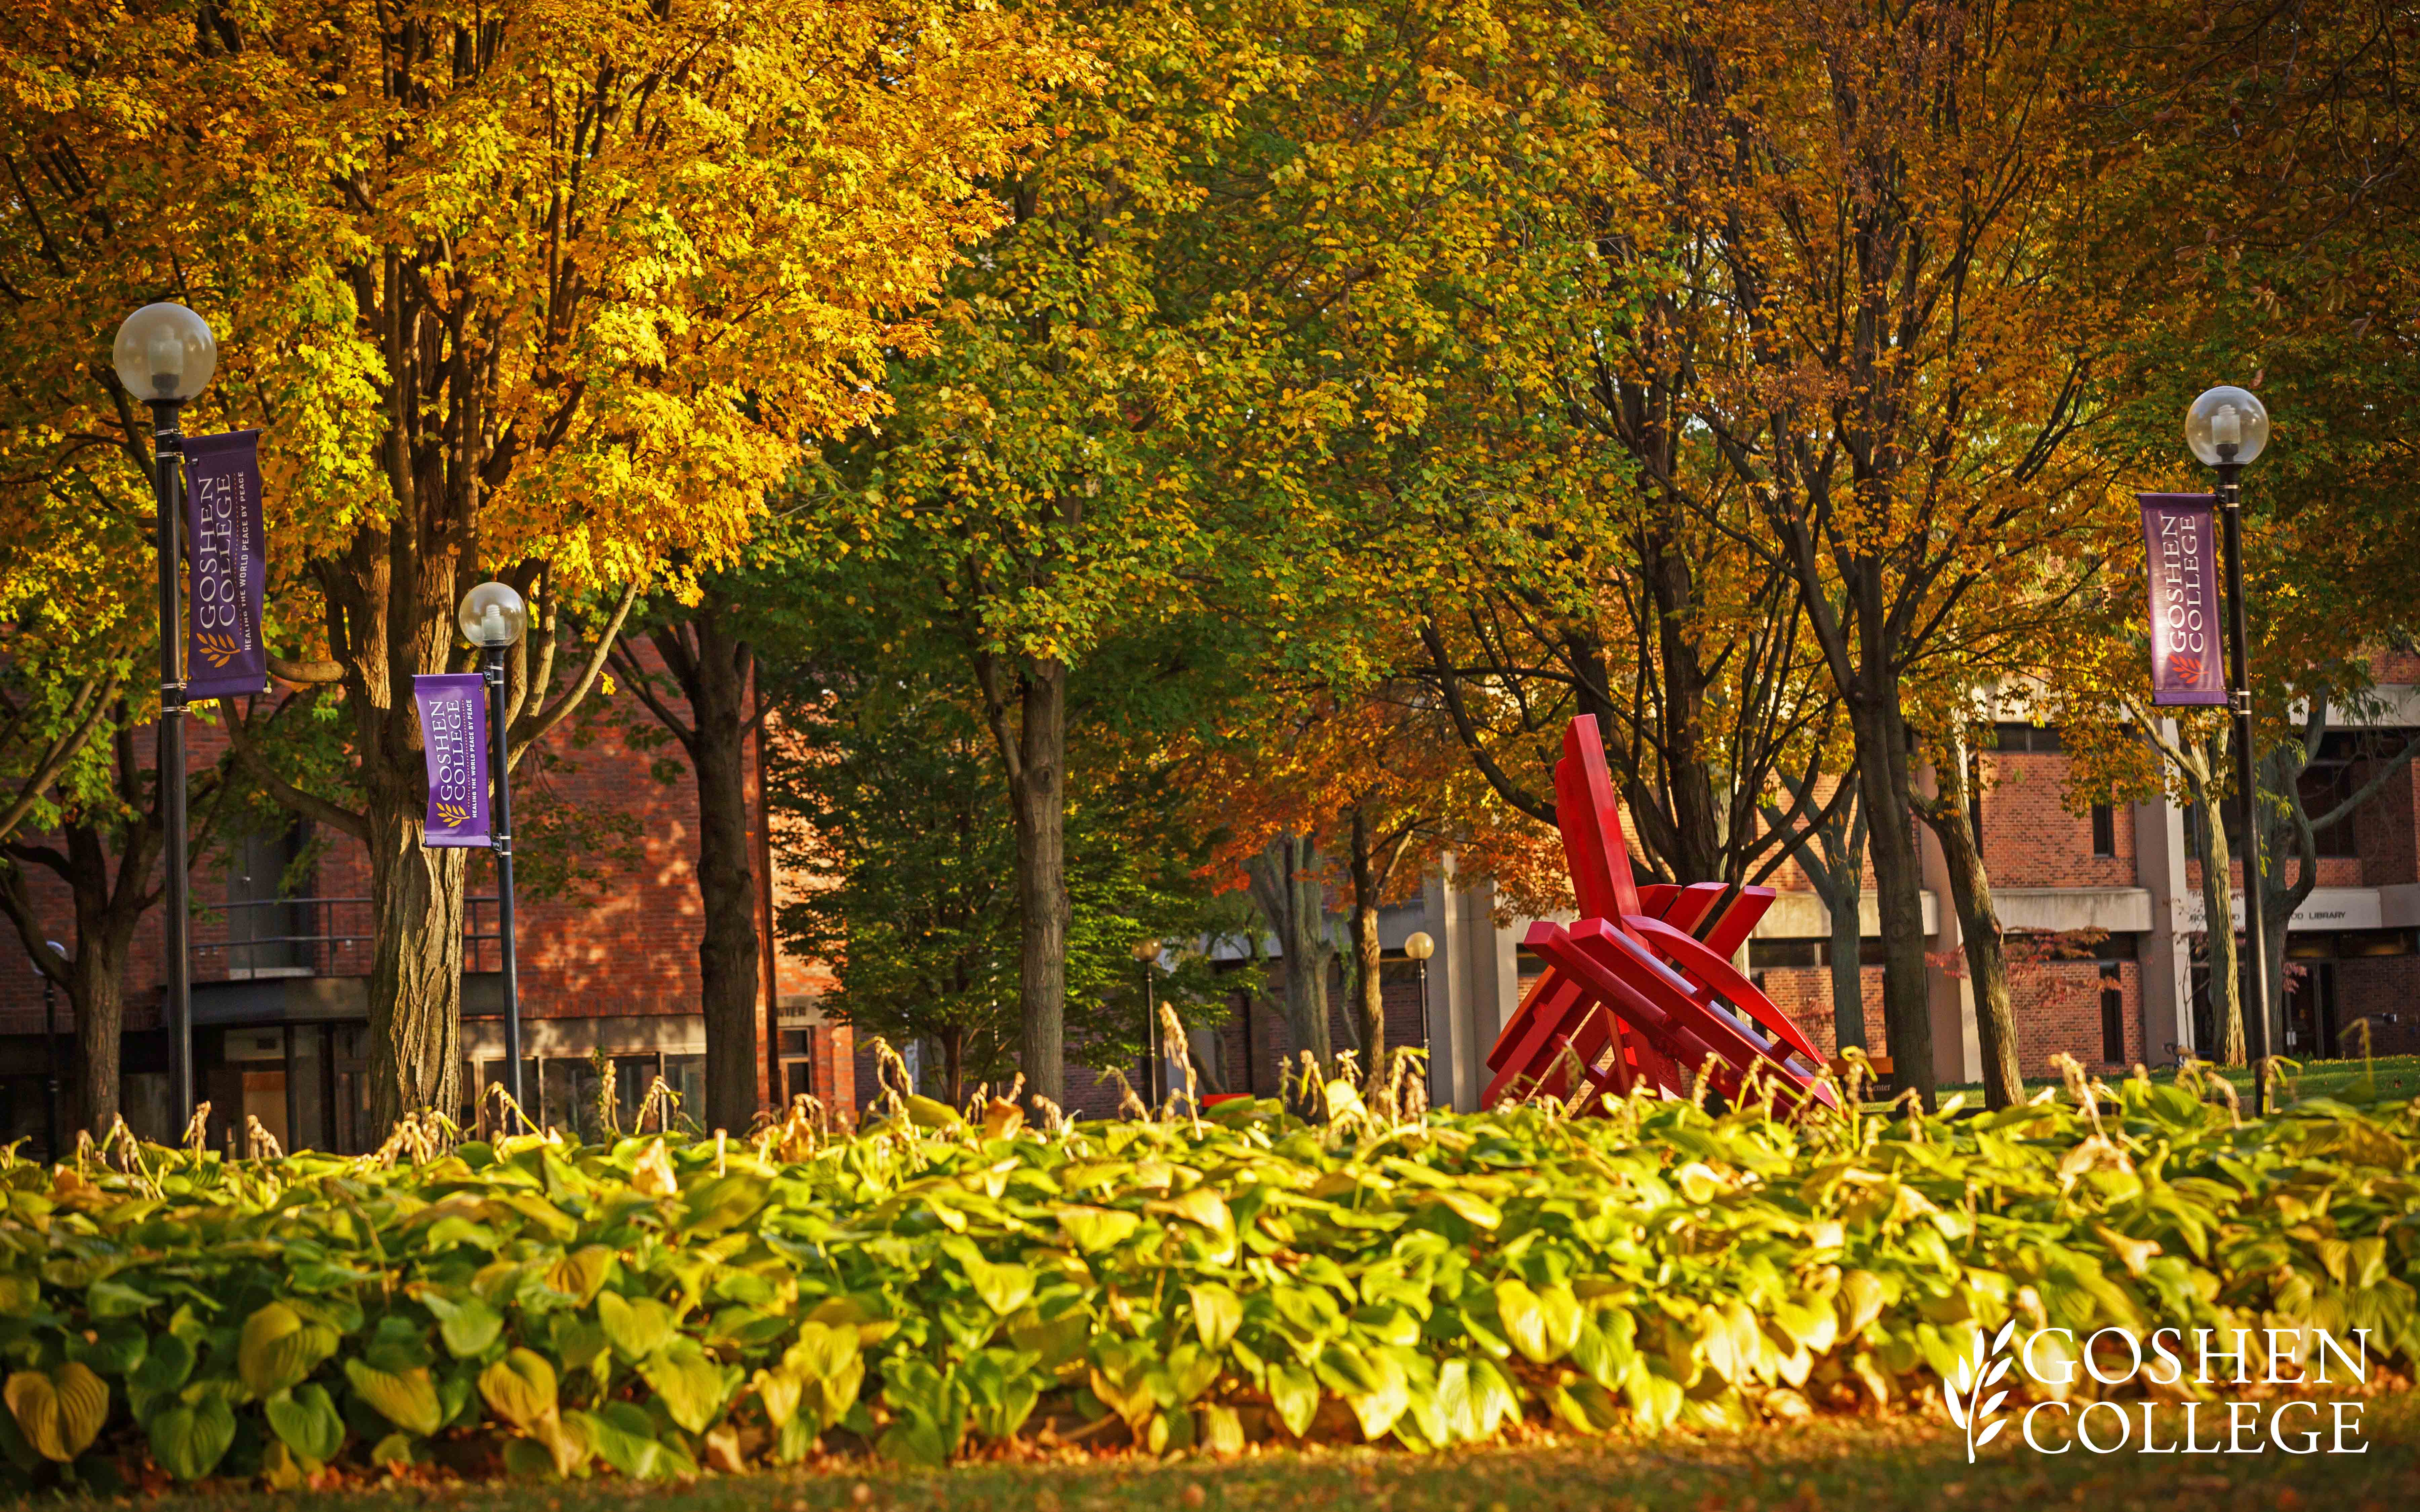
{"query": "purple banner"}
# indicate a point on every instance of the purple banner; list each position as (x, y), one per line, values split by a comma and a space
(2179, 531)
(227, 567)
(454, 731)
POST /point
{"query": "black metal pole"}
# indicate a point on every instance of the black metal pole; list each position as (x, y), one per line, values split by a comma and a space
(501, 738)
(168, 454)
(2239, 697)
(1151, 1040)
(1423, 965)
(51, 1056)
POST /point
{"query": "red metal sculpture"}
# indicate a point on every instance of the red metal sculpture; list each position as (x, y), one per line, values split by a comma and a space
(1643, 986)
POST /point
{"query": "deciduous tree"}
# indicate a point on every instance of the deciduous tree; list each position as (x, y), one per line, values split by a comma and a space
(544, 290)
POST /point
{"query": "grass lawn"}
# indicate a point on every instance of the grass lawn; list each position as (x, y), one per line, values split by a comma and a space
(2398, 1076)
(1907, 1464)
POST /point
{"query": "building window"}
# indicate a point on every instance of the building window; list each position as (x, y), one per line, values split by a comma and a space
(2033, 739)
(1771, 954)
(797, 1064)
(2105, 830)
(2113, 1014)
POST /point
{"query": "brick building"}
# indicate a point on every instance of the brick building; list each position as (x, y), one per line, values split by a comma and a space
(281, 955)
(2104, 907)
(2102, 902)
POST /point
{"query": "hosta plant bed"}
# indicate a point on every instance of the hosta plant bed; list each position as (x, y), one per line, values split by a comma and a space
(940, 1287)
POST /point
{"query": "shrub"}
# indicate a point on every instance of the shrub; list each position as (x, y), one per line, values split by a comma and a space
(935, 1285)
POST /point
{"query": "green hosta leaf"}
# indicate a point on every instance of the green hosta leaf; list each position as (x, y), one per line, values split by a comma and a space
(1200, 1206)
(779, 1392)
(722, 1202)
(393, 1450)
(189, 1438)
(1004, 1288)
(1095, 1229)
(165, 1366)
(1469, 1207)
(620, 1434)
(1493, 1399)
(59, 1412)
(1002, 1391)
(406, 1398)
(116, 1347)
(1295, 1392)
(636, 1326)
(914, 1441)
(1218, 1312)
(20, 1294)
(693, 1388)
(1523, 1317)
(521, 1388)
(1654, 1399)
(1191, 1370)
(1444, 1412)
(307, 1422)
(1586, 1406)
(579, 1274)
(579, 1343)
(1604, 1348)
(1053, 1340)
(115, 1299)
(1379, 1408)
(467, 1324)
(928, 1113)
(825, 1351)
(1222, 1430)
(279, 1346)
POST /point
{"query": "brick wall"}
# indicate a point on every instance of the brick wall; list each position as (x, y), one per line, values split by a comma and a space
(2030, 837)
(2386, 830)
(1805, 992)
(627, 947)
(2386, 991)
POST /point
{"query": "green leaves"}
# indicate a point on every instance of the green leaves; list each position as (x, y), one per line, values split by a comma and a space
(1218, 1312)
(1604, 1295)
(693, 1388)
(278, 1348)
(637, 1327)
(467, 1324)
(191, 1435)
(59, 1412)
(1093, 1229)
(406, 1398)
(1295, 1392)
(519, 1388)
(306, 1422)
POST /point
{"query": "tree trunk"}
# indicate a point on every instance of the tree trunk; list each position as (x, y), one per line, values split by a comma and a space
(97, 993)
(1038, 792)
(714, 679)
(1950, 815)
(415, 986)
(1286, 886)
(2218, 910)
(1882, 776)
(1369, 990)
(1846, 864)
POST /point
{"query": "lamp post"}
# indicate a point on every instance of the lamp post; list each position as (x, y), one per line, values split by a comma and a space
(1147, 951)
(1419, 947)
(2226, 428)
(51, 1046)
(492, 618)
(164, 356)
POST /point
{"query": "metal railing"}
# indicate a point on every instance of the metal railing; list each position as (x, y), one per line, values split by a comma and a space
(325, 937)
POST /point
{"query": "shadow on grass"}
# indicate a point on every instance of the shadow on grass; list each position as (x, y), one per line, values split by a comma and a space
(1900, 1464)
